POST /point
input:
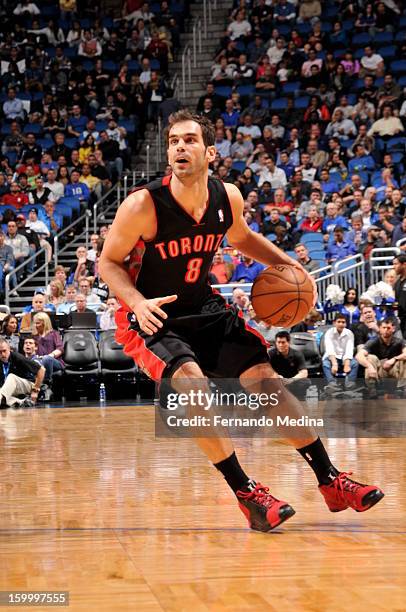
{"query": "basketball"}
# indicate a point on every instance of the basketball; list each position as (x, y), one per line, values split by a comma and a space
(282, 295)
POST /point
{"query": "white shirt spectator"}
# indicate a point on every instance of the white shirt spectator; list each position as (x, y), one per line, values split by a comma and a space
(239, 28)
(253, 131)
(56, 188)
(344, 129)
(39, 227)
(340, 345)
(26, 8)
(277, 178)
(275, 54)
(371, 63)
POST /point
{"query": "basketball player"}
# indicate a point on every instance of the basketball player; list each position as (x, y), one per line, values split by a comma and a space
(175, 327)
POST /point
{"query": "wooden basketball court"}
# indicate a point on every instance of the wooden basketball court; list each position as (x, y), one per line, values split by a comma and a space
(93, 504)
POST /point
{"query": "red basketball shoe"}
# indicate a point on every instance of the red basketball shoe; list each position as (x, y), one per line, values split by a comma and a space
(345, 493)
(263, 510)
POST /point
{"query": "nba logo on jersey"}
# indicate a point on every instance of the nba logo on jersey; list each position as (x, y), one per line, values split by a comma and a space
(221, 215)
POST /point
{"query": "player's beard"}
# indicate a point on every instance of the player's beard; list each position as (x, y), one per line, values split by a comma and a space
(191, 169)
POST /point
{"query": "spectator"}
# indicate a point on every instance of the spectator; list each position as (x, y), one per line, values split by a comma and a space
(332, 220)
(13, 107)
(15, 198)
(312, 222)
(111, 154)
(56, 293)
(340, 248)
(399, 233)
(55, 187)
(80, 304)
(272, 174)
(9, 331)
(339, 350)
(19, 245)
(16, 386)
(107, 317)
(373, 241)
(304, 259)
(247, 270)
(69, 300)
(367, 328)
(221, 271)
(372, 64)
(52, 219)
(349, 308)
(241, 300)
(77, 189)
(388, 125)
(39, 195)
(92, 299)
(383, 357)
(49, 340)
(82, 268)
(239, 27)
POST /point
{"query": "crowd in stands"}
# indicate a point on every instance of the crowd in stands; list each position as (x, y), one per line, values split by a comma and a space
(309, 104)
(77, 88)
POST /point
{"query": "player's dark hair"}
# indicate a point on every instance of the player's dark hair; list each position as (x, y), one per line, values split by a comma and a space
(206, 125)
(283, 334)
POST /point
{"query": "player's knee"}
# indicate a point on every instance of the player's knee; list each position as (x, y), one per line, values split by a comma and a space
(187, 370)
(189, 377)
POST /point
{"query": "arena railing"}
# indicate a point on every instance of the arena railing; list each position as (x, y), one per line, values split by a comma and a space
(350, 272)
(345, 273)
(57, 239)
(8, 291)
(401, 242)
(381, 260)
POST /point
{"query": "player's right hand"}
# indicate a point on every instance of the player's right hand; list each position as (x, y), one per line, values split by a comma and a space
(146, 310)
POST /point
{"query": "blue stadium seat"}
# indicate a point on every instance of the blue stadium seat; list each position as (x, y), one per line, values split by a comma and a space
(279, 104)
(302, 102)
(271, 236)
(133, 66)
(101, 125)
(223, 91)
(110, 66)
(246, 90)
(397, 143)
(239, 166)
(383, 37)
(314, 237)
(387, 52)
(88, 64)
(155, 64)
(35, 128)
(361, 40)
(292, 87)
(317, 254)
(73, 203)
(72, 143)
(402, 81)
(398, 67)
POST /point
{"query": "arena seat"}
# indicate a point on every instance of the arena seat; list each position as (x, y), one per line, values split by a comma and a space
(81, 358)
(306, 344)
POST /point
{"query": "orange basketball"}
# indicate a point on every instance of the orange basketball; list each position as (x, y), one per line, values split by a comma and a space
(282, 295)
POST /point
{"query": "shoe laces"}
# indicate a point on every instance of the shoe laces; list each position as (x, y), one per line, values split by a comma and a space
(343, 483)
(259, 494)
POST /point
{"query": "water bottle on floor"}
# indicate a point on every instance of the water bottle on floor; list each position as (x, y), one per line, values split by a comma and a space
(102, 393)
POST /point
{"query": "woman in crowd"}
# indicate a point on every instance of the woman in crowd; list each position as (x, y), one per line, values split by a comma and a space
(350, 308)
(49, 340)
(56, 295)
(9, 329)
